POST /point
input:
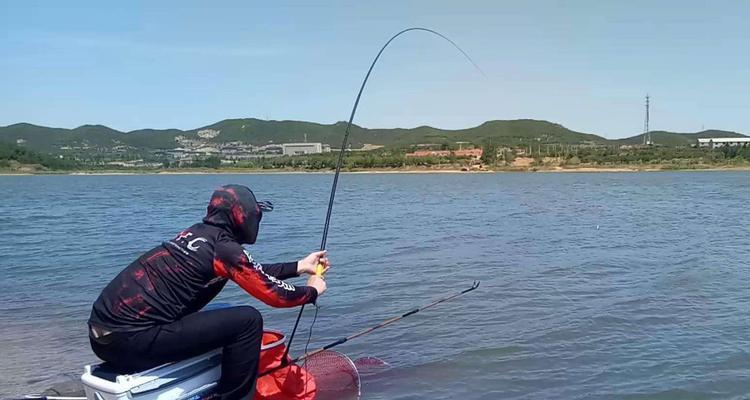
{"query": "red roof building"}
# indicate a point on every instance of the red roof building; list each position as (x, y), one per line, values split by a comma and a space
(465, 153)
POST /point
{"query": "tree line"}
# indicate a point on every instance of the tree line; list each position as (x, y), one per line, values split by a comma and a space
(494, 155)
(12, 154)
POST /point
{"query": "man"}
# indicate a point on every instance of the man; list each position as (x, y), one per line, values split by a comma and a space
(148, 315)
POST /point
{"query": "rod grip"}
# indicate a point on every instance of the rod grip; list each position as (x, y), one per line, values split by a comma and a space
(336, 343)
(414, 311)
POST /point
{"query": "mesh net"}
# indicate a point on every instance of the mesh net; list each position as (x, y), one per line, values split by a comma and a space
(333, 372)
(370, 365)
(324, 376)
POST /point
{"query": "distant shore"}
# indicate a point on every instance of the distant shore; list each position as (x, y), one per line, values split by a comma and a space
(411, 170)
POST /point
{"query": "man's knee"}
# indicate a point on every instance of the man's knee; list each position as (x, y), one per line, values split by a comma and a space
(250, 317)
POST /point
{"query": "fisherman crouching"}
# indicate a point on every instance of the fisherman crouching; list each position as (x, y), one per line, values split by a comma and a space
(149, 315)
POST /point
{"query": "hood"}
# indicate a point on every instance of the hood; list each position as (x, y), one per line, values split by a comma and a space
(234, 208)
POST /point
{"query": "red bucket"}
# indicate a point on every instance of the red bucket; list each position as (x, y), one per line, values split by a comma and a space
(290, 383)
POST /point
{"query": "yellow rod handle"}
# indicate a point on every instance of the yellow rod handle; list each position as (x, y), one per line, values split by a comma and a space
(319, 270)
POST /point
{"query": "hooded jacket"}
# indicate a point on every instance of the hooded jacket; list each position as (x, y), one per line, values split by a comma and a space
(182, 275)
(235, 209)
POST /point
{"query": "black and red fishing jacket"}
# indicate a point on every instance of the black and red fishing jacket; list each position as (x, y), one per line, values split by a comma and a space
(183, 274)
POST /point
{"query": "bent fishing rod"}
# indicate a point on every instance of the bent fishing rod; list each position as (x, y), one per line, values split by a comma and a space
(344, 143)
(372, 328)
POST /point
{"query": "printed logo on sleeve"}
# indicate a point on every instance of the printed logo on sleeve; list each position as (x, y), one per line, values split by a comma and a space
(259, 267)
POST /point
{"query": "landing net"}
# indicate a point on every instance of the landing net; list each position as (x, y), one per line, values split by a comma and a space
(334, 373)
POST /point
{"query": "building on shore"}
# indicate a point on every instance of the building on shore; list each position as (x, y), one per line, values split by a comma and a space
(474, 154)
(135, 164)
(713, 143)
(271, 149)
(191, 150)
(237, 150)
(208, 133)
(295, 149)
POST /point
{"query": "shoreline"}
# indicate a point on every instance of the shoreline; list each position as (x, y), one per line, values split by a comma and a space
(581, 169)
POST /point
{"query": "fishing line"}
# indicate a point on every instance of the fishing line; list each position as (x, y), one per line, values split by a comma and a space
(345, 141)
(307, 345)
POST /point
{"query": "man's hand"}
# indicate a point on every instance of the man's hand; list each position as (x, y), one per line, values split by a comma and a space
(318, 283)
(309, 264)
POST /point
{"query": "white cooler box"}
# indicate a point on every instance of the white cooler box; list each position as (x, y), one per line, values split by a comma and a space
(188, 379)
(183, 380)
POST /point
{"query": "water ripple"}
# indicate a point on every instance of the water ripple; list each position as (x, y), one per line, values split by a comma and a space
(595, 286)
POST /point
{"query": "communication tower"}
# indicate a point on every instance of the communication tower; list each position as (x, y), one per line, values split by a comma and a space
(646, 131)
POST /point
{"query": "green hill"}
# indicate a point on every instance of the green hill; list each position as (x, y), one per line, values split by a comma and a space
(13, 156)
(260, 132)
(44, 139)
(673, 139)
(94, 139)
(518, 131)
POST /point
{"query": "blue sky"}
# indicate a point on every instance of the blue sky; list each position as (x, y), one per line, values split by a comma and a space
(185, 64)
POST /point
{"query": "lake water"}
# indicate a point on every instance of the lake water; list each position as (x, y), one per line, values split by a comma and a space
(594, 286)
